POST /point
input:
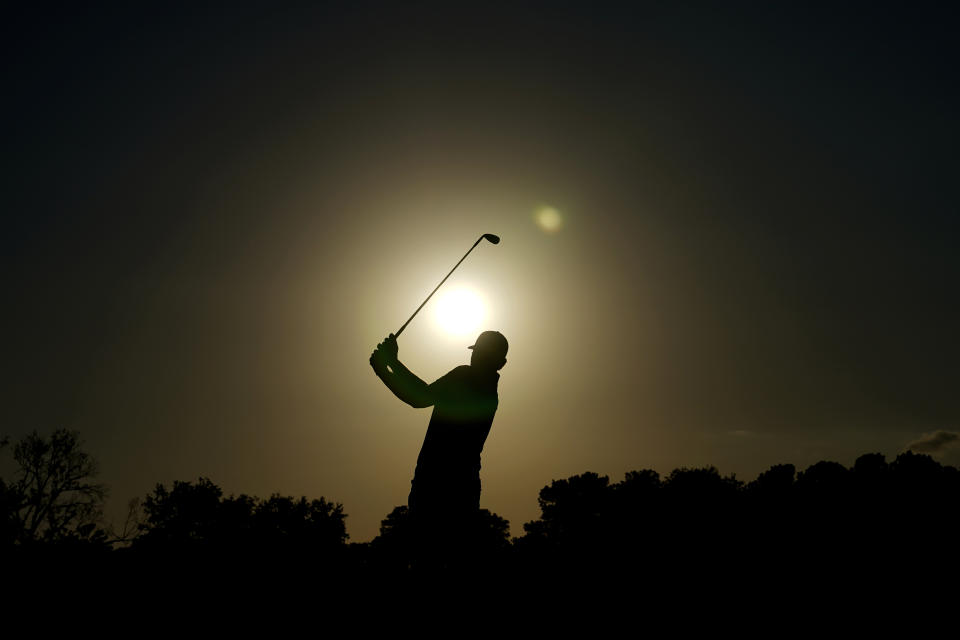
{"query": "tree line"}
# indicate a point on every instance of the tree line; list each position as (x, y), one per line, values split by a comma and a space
(692, 519)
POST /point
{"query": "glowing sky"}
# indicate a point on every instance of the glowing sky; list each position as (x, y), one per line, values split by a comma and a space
(727, 238)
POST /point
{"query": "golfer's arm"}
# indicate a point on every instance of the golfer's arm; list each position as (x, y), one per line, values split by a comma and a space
(406, 385)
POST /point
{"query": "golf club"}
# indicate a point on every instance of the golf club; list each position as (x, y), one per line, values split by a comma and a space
(489, 236)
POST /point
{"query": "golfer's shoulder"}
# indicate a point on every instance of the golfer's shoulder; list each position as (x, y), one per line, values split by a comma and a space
(453, 376)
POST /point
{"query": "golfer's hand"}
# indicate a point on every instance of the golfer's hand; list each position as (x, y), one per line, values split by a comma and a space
(385, 353)
(378, 362)
(389, 348)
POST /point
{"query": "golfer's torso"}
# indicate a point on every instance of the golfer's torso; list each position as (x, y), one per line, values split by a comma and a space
(462, 416)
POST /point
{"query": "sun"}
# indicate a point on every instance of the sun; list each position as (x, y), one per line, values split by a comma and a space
(460, 311)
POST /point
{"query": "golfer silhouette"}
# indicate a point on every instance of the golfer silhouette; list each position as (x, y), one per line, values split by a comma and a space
(445, 492)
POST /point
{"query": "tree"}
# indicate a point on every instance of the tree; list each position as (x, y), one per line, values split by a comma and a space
(9, 506)
(54, 496)
(188, 513)
(300, 522)
(775, 483)
(196, 516)
(635, 508)
(393, 549)
(480, 544)
(571, 511)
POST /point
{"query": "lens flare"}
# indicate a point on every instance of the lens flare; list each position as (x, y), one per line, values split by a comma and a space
(548, 219)
(460, 311)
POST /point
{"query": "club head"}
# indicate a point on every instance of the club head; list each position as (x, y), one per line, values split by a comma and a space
(492, 238)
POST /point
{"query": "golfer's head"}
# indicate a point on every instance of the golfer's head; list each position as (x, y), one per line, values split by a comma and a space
(489, 351)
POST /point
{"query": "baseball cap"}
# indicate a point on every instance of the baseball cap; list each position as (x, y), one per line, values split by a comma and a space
(491, 342)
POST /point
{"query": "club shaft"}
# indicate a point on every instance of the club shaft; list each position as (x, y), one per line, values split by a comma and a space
(400, 330)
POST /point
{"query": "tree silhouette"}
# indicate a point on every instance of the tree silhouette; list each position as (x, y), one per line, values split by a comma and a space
(676, 532)
(776, 482)
(483, 542)
(394, 548)
(768, 515)
(571, 510)
(195, 518)
(570, 536)
(923, 495)
(53, 497)
(299, 522)
(184, 515)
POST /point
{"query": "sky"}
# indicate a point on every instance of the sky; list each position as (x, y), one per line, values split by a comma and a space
(213, 213)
